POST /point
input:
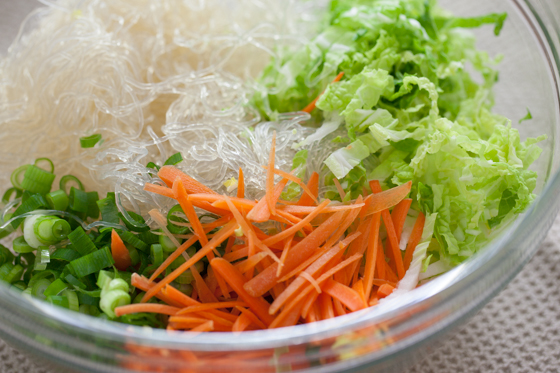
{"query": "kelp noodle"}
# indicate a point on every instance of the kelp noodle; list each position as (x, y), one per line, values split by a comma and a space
(152, 78)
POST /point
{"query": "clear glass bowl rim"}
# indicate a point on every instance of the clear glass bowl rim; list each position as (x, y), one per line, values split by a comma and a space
(447, 286)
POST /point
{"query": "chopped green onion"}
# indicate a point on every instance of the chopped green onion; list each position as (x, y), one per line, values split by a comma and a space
(65, 255)
(42, 275)
(118, 284)
(19, 285)
(138, 224)
(70, 179)
(51, 229)
(132, 239)
(81, 242)
(8, 229)
(185, 277)
(173, 160)
(89, 309)
(38, 289)
(89, 299)
(41, 260)
(55, 288)
(93, 209)
(185, 289)
(171, 219)
(6, 255)
(37, 180)
(112, 300)
(17, 176)
(58, 200)
(153, 165)
(157, 254)
(21, 246)
(91, 263)
(78, 200)
(104, 278)
(58, 300)
(10, 273)
(148, 237)
(90, 141)
(47, 164)
(73, 302)
(166, 243)
(109, 211)
(34, 202)
(7, 197)
(134, 255)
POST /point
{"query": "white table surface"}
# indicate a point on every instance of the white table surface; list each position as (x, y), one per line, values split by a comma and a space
(518, 331)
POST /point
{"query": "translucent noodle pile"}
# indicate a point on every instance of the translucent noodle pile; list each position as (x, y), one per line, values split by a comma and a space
(153, 78)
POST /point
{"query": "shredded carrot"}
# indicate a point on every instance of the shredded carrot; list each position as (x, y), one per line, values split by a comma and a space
(371, 254)
(285, 252)
(120, 253)
(398, 215)
(210, 306)
(146, 307)
(296, 180)
(265, 280)
(392, 235)
(237, 281)
(347, 296)
(311, 280)
(385, 290)
(174, 255)
(250, 263)
(326, 306)
(414, 239)
(158, 189)
(204, 293)
(252, 317)
(380, 262)
(270, 200)
(261, 212)
(358, 286)
(304, 210)
(240, 184)
(313, 187)
(339, 188)
(169, 173)
(206, 327)
(309, 108)
(241, 324)
(182, 197)
(388, 198)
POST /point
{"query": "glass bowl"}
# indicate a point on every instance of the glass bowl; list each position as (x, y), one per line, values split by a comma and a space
(390, 337)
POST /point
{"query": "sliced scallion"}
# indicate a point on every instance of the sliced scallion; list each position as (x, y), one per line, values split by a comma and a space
(39, 287)
(10, 273)
(72, 180)
(91, 263)
(65, 255)
(58, 200)
(37, 180)
(78, 200)
(81, 241)
(51, 229)
(112, 300)
(157, 254)
(132, 239)
(108, 209)
(21, 246)
(73, 302)
(55, 288)
(45, 163)
(7, 197)
(58, 300)
(34, 202)
(172, 218)
(136, 223)
(17, 176)
(41, 260)
(93, 209)
(166, 244)
(173, 160)
(90, 141)
(153, 165)
(6, 255)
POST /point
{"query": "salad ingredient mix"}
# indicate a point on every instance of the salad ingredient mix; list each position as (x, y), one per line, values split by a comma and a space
(381, 166)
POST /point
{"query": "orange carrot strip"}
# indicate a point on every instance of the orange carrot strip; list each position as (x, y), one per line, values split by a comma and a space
(142, 283)
(358, 286)
(270, 200)
(358, 247)
(338, 307)
(248, 231)
(296, 180)
(313, 186)
(237, 282)
(146, 307)
(252, 316)
(398, 215)
(182, 197)
(288, 318)
(391, 234)
(304, 210)
(312, 314)
(241, 184)
(242, 322)
(309, 108)
(414, 239)
(242, 204)
(339, 188)
(309, 302)
(237, 254)
(371, 254)
(158, 189)
(169, 173)
(285, 252)
(325, 306)
(300, 299)
(261, 212)
(174, 255)
(187, 319)
(119, 252)
(204, 293)
(220, 237)
(250, 263)
(389, 274)
(385, 290)
(294, 228)
(347, 296)
(210, 306)
(265, 280)
(211, 315)
(206, 327)
(380, 262)
(379, 282)
(222, 285)
(388, 198)
(312, 270)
